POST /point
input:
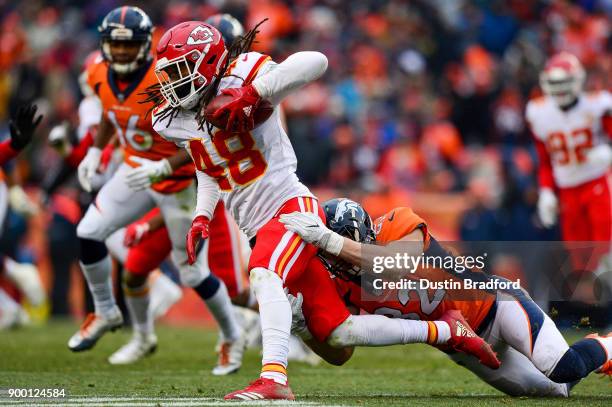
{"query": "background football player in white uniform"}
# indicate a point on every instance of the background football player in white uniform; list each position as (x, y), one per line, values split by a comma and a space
(572, 131)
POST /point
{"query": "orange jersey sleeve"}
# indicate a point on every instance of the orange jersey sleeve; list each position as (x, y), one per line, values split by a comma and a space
(132, 122)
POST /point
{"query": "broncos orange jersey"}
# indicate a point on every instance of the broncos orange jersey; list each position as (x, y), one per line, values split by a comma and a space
(133, 126)
(421, 303)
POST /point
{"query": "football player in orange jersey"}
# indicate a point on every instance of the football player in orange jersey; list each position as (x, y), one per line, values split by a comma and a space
(154, 173)
(536, 360)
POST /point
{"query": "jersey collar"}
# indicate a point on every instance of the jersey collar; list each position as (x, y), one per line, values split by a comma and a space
(135, 80)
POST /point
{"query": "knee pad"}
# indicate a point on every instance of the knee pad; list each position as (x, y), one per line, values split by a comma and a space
(92, 251)
(580, 359)
(208, 287)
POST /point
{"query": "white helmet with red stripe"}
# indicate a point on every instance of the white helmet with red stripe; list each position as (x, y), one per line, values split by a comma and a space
(563, 78)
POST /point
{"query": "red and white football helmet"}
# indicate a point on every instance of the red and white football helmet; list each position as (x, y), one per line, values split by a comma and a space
(563, 78)
(189, 56)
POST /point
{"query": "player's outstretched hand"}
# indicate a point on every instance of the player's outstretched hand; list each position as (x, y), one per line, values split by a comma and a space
(147, 173)
(312, 230)
(241, 109)
(197, 232)
(23, 125)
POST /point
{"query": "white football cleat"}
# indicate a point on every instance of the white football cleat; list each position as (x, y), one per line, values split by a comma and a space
(93, 328)
(138, 347)
(230, 356)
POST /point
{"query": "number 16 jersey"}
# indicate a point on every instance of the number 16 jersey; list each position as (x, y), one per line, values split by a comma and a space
(255, 170)
(121, 105)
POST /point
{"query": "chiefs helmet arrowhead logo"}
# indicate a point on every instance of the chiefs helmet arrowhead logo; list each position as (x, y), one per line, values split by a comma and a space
(200, 35)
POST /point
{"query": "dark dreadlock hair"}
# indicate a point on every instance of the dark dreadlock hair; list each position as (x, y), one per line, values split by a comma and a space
(153, 93)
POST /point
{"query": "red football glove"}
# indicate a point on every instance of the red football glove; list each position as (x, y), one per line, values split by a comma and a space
(199, 230)
(135, 233)
(241, 109)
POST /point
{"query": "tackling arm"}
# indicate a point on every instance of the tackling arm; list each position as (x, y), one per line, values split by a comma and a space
(312, 229)
(353, 251)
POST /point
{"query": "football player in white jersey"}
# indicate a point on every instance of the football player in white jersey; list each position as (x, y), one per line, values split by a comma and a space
(253, 170)
(572, 130)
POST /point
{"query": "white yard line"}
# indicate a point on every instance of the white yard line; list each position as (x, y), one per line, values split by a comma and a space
(74, 401)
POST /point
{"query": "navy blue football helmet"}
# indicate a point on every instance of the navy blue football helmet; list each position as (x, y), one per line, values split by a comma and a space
(347, 218)
(228, 26)
(350, 220)
(126, 23)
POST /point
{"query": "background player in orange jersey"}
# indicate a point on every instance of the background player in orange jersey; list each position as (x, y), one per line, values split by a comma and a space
(535, 358)
(154, 173)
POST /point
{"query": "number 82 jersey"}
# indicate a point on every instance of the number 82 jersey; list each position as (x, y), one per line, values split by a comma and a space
(569, 136)
(254, 170)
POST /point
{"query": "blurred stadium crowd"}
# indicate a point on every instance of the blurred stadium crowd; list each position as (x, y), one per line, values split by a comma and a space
(422, 105)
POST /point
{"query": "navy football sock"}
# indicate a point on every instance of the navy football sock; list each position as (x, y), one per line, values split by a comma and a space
(580, 359)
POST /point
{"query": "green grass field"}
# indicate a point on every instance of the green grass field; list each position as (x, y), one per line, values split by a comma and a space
(179, 374)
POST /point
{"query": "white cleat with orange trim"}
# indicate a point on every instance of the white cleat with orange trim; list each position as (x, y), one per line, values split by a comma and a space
(93, 328)
(230, 356)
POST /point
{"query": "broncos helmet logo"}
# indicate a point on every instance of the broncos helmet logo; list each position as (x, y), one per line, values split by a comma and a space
(346, 206)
